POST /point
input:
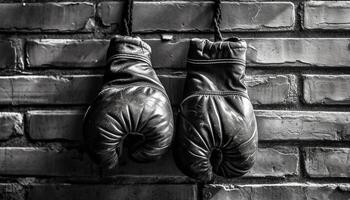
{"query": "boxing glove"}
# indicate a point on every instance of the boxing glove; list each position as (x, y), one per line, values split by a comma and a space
(216, 126)
(132, 106)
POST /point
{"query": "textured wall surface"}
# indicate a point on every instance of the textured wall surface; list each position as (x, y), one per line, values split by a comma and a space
(52, 57)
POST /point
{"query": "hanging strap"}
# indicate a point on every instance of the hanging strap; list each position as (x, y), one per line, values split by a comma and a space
(217, 20)
(127, 17)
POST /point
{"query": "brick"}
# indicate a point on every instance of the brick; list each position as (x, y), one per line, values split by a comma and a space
(39, 17)
(271, 89)
(111, 192)
(55, 124)
(70, 53)
(11, 124)
(66, 53)
(81, 89)
(286, 191)
(329, 192)
(302, 52)
(277, 162)
(299, 52)
(327, 15)
(169, 54)
(327, 89)
(44, 162)
(270, 162)
(197, 16)
(67, 125)
(8, 55)
(165, 167)
(327, 162)
(11, 191)
(273, 125)
(277, 125)
(68, 89)
(174, 86)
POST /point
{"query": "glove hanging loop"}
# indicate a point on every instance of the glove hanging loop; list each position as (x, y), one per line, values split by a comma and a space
(127, 17)
(217, 20)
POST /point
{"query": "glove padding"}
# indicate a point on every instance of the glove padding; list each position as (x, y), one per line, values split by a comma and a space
(132, 104)
(216, 127)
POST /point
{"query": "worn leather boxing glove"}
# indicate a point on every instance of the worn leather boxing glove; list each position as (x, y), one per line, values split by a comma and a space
(132, 106)
(216, 127)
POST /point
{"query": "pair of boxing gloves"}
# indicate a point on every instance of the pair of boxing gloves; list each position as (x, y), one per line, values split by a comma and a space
(216, 131)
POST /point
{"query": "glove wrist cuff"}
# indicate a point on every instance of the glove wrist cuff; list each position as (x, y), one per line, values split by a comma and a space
(216, 66)
(127, 45)
(129, 62)
(206, 50)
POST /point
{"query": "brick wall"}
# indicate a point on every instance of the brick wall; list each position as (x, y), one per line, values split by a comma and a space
(298, 73)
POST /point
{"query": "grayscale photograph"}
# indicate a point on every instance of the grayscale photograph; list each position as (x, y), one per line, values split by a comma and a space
(174, 100)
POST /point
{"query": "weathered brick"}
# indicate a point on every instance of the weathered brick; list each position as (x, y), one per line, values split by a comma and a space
(81, 89)
(286, 191)
(197, 16)
(174, 86)
(328, 192)
(273, 125)
(77, 89)
(327, 89)
(327, 15)
(264, 52)
(55, 124)
(70, 53)
(271, 89)
(11, 124)
(11, 191)
(327, 162)
(164, 167)
(173, 54)
(247, 192)
(303, 125)
(66, 53)
(67, 125)
(8, 56)
(44, 161)
(274, 162)
(278, 161)
(109, 192)
(169, 54)
(67, 16)
(299, 52)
